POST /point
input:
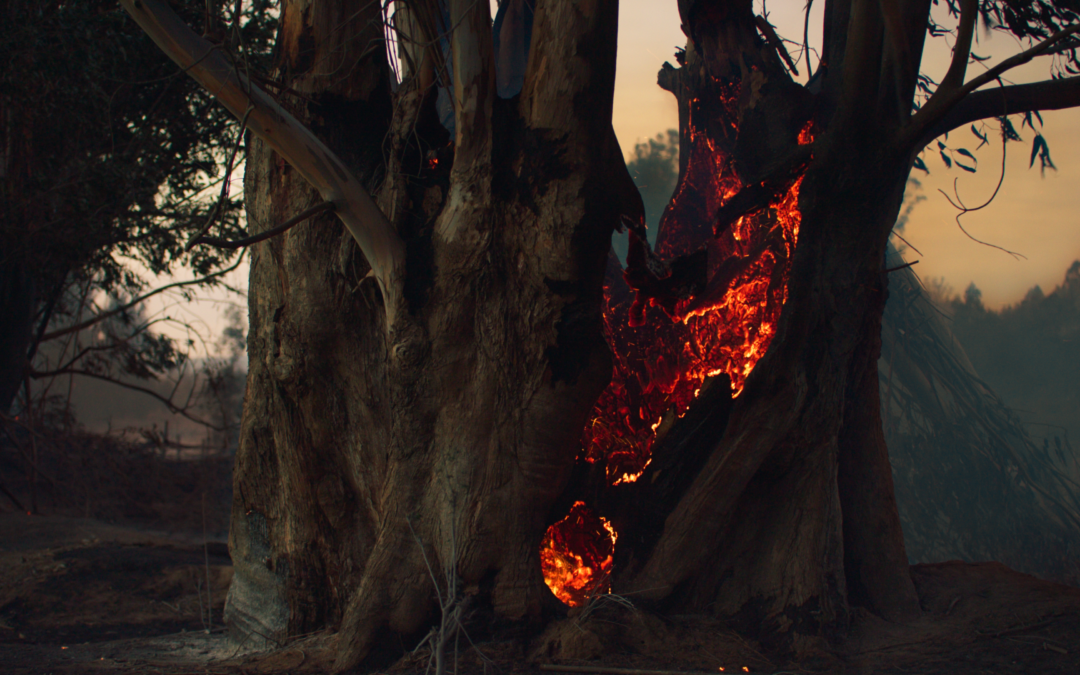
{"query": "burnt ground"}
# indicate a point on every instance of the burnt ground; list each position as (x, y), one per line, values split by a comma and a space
(79, 596)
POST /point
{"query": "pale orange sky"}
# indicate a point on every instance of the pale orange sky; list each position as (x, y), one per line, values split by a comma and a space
(1032, 215)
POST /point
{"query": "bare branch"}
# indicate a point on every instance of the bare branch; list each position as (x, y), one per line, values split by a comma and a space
(123, 308)
(319, 166)
(939, 106)
(272, 232)
(173, 408)
(774, 41)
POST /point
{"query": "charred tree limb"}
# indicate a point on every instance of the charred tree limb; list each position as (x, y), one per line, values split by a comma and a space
(1009, 100)
(943, 102)
(774, 41)
(318, 165)
(954, 77)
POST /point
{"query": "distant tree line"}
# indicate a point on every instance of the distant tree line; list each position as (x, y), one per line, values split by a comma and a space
(1029, 353)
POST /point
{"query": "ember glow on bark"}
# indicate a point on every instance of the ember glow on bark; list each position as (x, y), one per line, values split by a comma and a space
(577, 554)
(661, 364)
(662, 359)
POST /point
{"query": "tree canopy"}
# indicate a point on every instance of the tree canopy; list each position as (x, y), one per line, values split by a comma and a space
(112, 161)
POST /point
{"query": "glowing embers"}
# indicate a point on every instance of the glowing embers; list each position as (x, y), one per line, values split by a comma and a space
(576, 555)
(662, 361)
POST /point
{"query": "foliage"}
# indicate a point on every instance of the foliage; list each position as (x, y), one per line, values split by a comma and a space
(113, 159)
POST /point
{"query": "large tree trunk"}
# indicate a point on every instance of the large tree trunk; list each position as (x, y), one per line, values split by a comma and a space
(792, 515)
(384, 467)
(378, 467)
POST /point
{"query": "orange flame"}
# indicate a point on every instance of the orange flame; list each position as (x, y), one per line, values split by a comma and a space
(576, 555)
(660, 366)
(661, 363)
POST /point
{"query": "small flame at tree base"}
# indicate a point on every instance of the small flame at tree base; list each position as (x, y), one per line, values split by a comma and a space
(577, 555)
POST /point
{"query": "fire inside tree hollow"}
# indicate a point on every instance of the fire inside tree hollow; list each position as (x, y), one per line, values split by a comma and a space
(663, 355)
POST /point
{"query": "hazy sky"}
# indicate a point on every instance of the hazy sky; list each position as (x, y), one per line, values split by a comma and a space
(1032, 215)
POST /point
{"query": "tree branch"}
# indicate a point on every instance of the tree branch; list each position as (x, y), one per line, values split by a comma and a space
(939, 106)
(123, 308)
(173, 408)
(954, 78)
(319, 166)
(862, 62)
(1017, 98)
(267, 234)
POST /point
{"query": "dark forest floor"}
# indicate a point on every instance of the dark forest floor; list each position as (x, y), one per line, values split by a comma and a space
(79, 596)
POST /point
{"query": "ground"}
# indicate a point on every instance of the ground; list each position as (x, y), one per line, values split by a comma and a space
(81, 596)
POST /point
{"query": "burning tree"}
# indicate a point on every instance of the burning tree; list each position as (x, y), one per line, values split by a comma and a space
(463, 379)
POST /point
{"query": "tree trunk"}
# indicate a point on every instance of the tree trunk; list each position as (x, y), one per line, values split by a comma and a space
(379, 468)
(792, 515)
(386, 471)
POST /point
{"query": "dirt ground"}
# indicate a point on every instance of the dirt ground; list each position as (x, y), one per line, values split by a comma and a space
(79, 596)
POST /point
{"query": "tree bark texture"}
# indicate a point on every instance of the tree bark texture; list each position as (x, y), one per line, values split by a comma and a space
(382, 466)
(375, 464)
(791, 517)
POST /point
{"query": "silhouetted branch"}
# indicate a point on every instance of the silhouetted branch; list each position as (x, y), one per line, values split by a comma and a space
(1009, 100)
(123, 308)
(273, 232)
(954, 78)
(943, 101)
(173, 408)
(315, 162)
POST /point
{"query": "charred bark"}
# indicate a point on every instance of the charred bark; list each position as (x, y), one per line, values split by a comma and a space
(791, 516)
